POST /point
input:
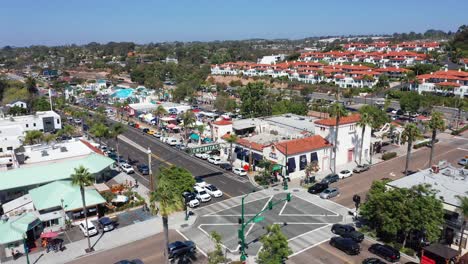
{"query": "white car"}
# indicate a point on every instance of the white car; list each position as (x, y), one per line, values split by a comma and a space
(157, 135)
(190, 199)
(127, 168)
(201, 194)
(239, 171)
(203, 156)
(91, 229)
(199, 182)
(213, 191)
(345, 174)
(215, 160)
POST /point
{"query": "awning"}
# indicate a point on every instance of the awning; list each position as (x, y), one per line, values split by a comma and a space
(256, 156)
(166, 119)
(195, 136)
(276, 167)
(171, 126)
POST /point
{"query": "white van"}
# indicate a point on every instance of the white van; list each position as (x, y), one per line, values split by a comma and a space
(173, 141)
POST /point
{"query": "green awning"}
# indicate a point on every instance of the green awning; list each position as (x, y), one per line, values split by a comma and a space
(276, 167)
(14, 229)
(195, 136)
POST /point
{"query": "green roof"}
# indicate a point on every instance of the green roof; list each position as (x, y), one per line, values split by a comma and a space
(13, 229)
(58, 170)
(51, 195)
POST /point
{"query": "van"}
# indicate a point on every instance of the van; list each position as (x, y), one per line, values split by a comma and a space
(173, 141)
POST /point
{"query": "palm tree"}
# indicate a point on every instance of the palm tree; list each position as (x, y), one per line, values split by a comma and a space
(100, 131)
(48, 137)
(66, 130)
(32, 137)
(366, 120)
(82, 178)
(232, 138)
(201, 129)
(436, 123)
(409, 135)
(116, 130)
(169, 203)
(189, 119)
(337, 110)
(464, 211)
(160, 111)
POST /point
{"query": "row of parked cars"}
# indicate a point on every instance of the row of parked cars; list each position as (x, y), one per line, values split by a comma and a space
(348, 240)
(216, 160)
(201, 193)
(104, 223)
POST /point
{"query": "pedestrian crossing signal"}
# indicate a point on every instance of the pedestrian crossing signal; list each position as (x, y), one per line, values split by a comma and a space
(270, 205)
(288, 197)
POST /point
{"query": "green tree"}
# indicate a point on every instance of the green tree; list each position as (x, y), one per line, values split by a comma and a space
(40, 104)
(114, 132)
(17, 110)
(217, 255)
(32, 137)
(159, 112)
(410, 102)
(48, 137)
(254, 98)
(67, 130)
(275, 248)
(436, 123)
(188, 119)
(100, 131)
(337, 110)
(463, 208)
(82, 178)
(172, 182)
(409, 135)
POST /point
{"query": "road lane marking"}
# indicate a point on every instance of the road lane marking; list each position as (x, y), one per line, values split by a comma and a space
(142, 149)
(186, 238)
(463, 149)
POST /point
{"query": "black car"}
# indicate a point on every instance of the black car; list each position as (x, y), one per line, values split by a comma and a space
(330, 178)
(179, 248)
(340, 229)
(126, 261)
(354, 235)
(226, 166)
(145, 130)
(346, 245)
(318, 188)
(373, 261)
(143, 169)
(385, 251)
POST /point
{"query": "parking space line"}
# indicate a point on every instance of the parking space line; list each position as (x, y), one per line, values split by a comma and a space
(309, 247)
(237, 204)
(186, 238)
(282, 208)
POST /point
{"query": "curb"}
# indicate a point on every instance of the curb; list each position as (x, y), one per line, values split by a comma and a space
(401, 253)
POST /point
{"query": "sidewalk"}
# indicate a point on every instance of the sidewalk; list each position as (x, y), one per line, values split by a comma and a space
(108, 240)
(124, 178)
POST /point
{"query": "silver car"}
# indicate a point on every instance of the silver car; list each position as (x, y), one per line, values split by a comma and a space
(329, 193)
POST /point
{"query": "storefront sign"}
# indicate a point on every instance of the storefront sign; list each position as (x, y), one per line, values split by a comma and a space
(204, 148)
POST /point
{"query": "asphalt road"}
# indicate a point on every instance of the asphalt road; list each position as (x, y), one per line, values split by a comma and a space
(149, 250)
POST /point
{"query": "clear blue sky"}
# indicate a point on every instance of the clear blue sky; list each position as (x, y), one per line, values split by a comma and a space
(52, 22)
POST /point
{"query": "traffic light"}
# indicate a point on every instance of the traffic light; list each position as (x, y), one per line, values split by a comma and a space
(288, 197)
(240, 221)
(270, 205)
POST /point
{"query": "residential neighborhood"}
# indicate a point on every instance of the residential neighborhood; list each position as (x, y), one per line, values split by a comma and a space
(259, 137)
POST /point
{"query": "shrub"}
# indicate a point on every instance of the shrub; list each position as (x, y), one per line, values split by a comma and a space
(459, 131)
(261, 179)
(389, 155)
(408, 251)
(420, 145)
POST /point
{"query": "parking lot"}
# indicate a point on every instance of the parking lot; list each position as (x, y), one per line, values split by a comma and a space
(306, 220)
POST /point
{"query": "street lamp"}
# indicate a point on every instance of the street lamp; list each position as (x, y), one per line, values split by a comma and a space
(26, 249)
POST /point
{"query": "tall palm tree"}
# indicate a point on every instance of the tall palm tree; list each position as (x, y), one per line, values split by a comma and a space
(116, 130)
(189, 119)
(436, 123)
(201, 129)
(160, 111)
(169, 203)
(82, 178)
(464, 211)
(337, 110)
(232, 138)
(409, 135)
(366, 120)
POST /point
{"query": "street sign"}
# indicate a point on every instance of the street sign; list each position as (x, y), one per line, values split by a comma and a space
(258, 219)
(204, 148)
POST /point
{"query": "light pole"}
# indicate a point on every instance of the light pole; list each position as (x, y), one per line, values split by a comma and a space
(26, 249)
(150, 170)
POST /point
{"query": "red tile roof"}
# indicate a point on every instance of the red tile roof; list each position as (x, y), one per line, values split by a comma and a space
(453, 84)
(249, 144)
(343, 120)
(93, 148)
(222, 122)
(301, 145)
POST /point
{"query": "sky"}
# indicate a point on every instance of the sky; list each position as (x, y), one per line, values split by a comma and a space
(58, 22)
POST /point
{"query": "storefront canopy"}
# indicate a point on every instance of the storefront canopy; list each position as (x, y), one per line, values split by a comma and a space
(195, 137)
(14, 228)
(276, 167)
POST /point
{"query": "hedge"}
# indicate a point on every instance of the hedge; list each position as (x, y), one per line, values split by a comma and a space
(389, 155)
(459, 131)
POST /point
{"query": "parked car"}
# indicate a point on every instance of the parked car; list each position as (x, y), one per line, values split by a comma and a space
(179, 248)
(318, 188)
(126, 261)
(157, 135)
(173, 141)
(213, 191)
(127, 168)
(239, 171)
(106, 224)
(77, 121)
(347, 231)
(361, 168)
(201, 194)
(385, 251)
(151, 132)
(329, 193)
(145, 130)
(330, 178)
(346, 245)
(373, 261)
(180, 146)
(345, 174)
(463, 162)
(200, 182)
(143, 169)
(202, 155)
(91, 229)
(225, 166)
(354, 235)
(191, 199)
(214, 160)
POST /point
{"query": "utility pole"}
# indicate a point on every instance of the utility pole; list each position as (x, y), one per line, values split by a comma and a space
(257, 218)
(285, 181)
(250, 156)
(150, 170)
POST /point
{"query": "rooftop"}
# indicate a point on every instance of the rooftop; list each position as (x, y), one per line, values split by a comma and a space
(301, 145)
(304, 123)
(7, 121)
(449, 183)
(350, 119)
(45, 153)
(13, 229)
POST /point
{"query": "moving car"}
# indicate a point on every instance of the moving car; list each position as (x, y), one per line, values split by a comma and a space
(329, 193)
(106, 224)
(201, 194)
(318, 188)
(214, 160)
(179, 248)
(191, 199)
(345, 174)
(225, 166)
(143, 169)
(213, 191)
(361, 168)
(127, 168)
(126, 261)
(200, 182)
(463, 162)
(91, 229)
(373, 261)
(346, 245)
(386, 252)
(330, 178)
(239, 171)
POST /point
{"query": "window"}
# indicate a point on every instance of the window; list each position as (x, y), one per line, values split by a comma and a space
(58, 121)
(352, 128)
(52, 222)
(34, 124)
(1, 149)
(27, 125)
(9, 148)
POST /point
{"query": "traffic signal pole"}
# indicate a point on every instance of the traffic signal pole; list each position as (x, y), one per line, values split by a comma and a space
(241, 231)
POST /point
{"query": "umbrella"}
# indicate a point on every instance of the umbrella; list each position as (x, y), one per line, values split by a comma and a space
(49, 234)
(171, 126)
